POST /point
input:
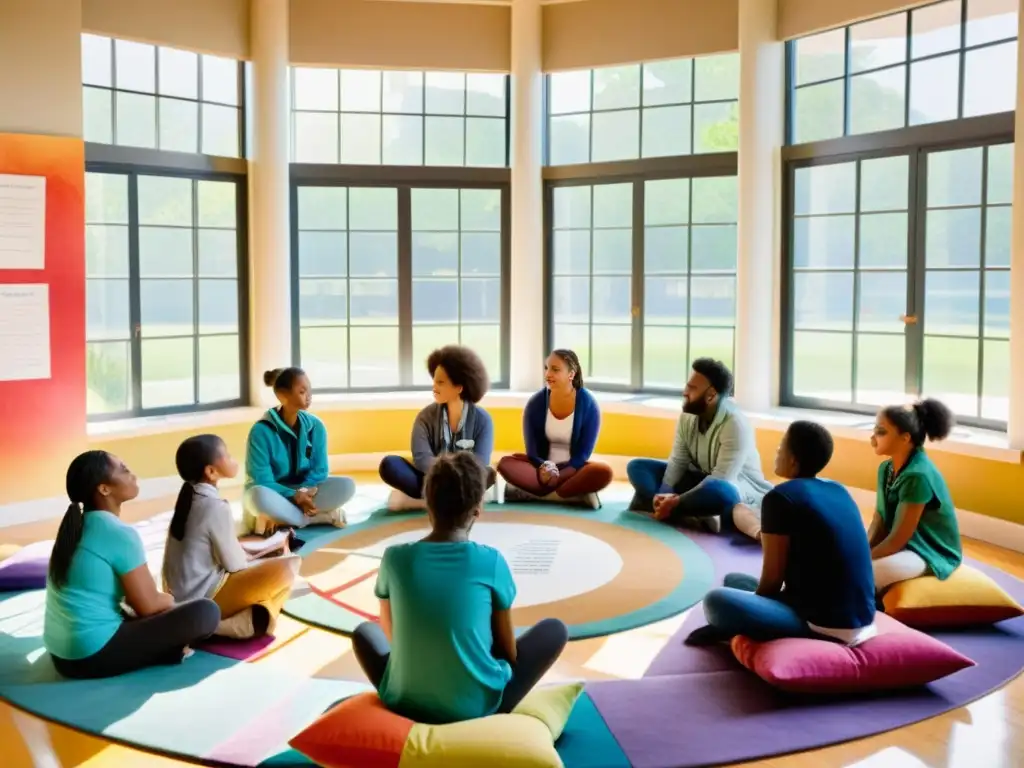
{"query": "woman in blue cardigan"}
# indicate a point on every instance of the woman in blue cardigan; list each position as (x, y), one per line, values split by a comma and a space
(560, 426)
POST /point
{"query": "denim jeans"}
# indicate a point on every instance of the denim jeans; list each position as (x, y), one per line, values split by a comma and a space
(332, 493)
(713, 497)
(736, 610)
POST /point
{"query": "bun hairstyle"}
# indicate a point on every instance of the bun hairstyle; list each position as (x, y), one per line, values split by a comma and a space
(86, 473)
(572, 360)
(454, 487)
(282, 379)
(194, 455)
(927, 419)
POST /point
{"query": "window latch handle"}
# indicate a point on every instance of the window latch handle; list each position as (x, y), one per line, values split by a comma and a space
(909, 319)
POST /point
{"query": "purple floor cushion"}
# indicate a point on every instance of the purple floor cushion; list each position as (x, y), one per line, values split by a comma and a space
(26, 568)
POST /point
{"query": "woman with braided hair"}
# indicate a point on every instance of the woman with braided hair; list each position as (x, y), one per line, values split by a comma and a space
(560, 426)
(914, 531)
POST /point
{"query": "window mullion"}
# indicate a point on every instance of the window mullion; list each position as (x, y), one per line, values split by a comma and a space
(405, 350)
(636, 378)
(134, 293)
(195, 291)
(914, 330)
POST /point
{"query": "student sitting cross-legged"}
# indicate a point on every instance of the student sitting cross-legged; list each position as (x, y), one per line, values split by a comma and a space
(97, 567)
(453, 422)
(816, 577)
(445, 649)
(560, 426)
(203, 557)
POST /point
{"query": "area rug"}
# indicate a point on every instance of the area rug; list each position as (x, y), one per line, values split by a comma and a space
(600, 572)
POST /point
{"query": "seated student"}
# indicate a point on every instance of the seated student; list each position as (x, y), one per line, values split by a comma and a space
(286, 465)
(816, 575)
(453, 422)
(203, 557)
(97, 562)
(445, 649)
(714, 465)
(560, 426)
(914, 530)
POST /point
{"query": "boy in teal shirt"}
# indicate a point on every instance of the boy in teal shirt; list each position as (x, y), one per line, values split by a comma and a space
(445, 649)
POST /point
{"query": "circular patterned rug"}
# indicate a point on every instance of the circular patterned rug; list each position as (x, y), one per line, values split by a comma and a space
(599, 572)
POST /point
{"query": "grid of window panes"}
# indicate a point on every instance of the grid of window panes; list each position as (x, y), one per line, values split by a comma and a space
(456, 274)
(155, 97)
(369, 117)
(162, 293)
(966, 356)
(944, 61)
(657, 109)
(689, 276)
(849, 250)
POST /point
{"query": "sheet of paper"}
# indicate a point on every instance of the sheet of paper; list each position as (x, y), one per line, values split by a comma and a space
(24, 332)
(22, 222)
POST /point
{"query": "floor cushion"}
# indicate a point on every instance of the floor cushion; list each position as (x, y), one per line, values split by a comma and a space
(897, 657)
(26, 568)
(967, 597)
(360, 733)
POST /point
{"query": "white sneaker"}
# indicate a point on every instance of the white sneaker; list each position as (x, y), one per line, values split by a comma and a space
(712, 524)
(399, 502)
(186, 653)
(591, 500)
(335, 517)
(237, 627)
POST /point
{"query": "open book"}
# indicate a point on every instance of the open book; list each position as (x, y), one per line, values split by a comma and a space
(258, 546)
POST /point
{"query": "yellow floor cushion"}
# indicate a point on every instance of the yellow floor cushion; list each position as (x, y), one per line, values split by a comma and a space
(967, 597)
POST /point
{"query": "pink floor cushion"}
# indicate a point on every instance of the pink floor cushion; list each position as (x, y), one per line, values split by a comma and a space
(898, 657)
(26, 568)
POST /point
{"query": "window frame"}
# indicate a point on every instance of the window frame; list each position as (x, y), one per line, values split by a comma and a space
(404, 179)
(133, 162)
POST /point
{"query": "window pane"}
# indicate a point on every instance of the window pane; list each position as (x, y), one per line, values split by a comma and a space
(403, 92)
(878, 100)
(825, 189)
(717, 78)
(714, 199)
(995, 401)
(1000, 174)
(360, 139)
(951, 373)
(360, 90)
(166, 308)
(373, 208)
(485, 142)
(164, 200)
(179, 73)
(373, 302)
(665, 303)
(713, 301)
(167, 372)
(403, 140)
(323, 254)
(481, 253)
(481, 300)
(165, 252)
(435, 254)
(576, 338)
(570, 299)
(997, 237)
(324, 356)
(217, 205)
(883, 183)
(445, 141)
(571, 207)
(953, 237)
(612, 251)
(616, 135)
(997, 303)
(220, 130)
(823, 242)
(179, 125)
(435, 301)
(617, 87)
(97, 116)
(666, 132)
(106, 310)
(316, 137)
(106, 198)
(96, 60)
(485, 94)
(445, 93)
(823, 301)
(713, 248)
(481, 210)
(486, 340)
(818, 112)
(315, 89)
(881, 369)
(667, 82)
(108, 377)
(323, 207)
(106, 250)
(612, 300)
(373, 254)
(716, 127)
(952, 302)
(820, 57)
(218, 306)
(323, 302)
(220, 80)
(218, 253)
(878, 43)
(991, 20)
(935, 29)
(883, 300)
(990, 80)
(435, 209)
(667, 201)
(612, 354)
(954, 177)
(823, 365)
(373, 353)
(569, 140)
(932, 98)
(136, 66)
(665, 250)
(883, 240)
(613, 205)
(219, 376)
(711, 342)
(569, 92)
(136, 120)
(571, 252)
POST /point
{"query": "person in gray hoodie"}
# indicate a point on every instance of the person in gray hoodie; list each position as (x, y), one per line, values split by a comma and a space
(714, 468)
(453, 422)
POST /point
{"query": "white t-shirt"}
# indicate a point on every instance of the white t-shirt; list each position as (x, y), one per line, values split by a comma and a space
(559, 435)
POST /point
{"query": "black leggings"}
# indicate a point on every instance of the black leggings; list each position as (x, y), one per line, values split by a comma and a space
(536, 650)
(140, 643)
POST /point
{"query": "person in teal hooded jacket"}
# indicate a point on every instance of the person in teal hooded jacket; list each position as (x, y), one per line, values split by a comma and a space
(286, 468)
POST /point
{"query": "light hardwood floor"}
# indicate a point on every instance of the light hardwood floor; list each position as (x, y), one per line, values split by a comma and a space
(986, 734)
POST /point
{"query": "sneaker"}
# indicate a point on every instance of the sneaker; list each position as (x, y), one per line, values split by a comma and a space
(591, 500)
(237, 627)
(515, 494)
(187, 653)
(335, 517)
(705, 524)
(706, 635)
(638, 504)
(399, 502)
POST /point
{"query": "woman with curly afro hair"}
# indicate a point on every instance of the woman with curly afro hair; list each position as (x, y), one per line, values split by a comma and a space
(453, 422)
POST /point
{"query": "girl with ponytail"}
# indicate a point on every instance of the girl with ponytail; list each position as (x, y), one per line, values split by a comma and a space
(98, 562)
(560, 426)
(914, 531)
(203, 558)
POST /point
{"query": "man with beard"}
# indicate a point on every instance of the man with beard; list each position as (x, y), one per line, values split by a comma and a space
(714, 467)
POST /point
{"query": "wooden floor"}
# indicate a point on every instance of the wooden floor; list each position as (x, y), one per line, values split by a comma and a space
(986, 734)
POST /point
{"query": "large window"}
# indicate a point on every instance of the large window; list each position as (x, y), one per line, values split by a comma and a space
(898, 240)
(657, 109)
(367, 117)
(384, 274)
(140, 95)
(164, 277)
(940, 62)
